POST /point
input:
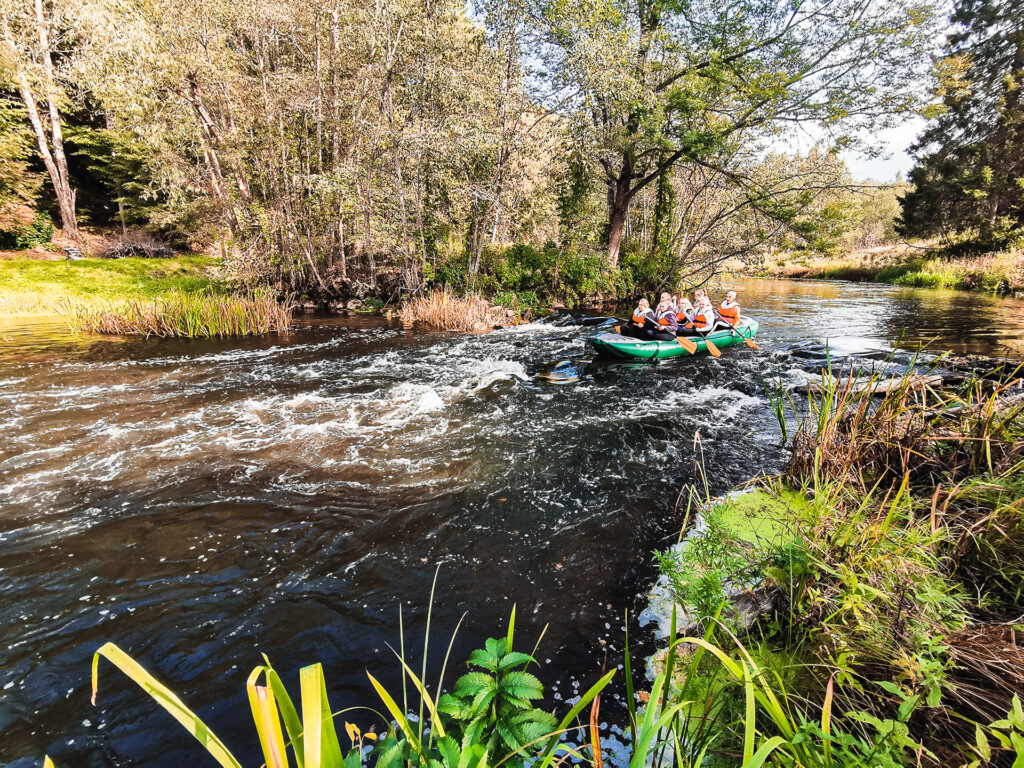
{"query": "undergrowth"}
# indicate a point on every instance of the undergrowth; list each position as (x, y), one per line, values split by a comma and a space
(896, 582)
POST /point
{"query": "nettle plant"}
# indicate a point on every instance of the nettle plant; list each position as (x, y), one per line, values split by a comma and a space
(493, 705)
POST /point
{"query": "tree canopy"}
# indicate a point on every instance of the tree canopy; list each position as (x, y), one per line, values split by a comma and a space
(347, 147)
(968, 180)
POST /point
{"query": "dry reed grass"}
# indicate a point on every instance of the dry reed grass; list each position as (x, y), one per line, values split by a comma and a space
(444, 310)
(184, 314)
(912, 430)
(26, 303)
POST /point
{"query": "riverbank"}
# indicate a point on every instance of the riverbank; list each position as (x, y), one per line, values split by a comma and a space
(39, 287)
(169, 297)
(906, 265)
(872, 587)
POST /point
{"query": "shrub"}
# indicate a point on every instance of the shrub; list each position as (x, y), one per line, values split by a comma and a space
(36, 232)
(138, 245)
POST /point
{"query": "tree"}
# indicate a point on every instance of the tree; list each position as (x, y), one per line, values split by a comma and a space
(647, 84)
(19, 185)
(27, 37)
(969, 173)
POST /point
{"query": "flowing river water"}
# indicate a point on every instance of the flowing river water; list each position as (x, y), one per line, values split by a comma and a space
(202, 502)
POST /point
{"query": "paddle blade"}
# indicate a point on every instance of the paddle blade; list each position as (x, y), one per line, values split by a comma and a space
(618, 329)
(712, 348)
(686, 344)
(750, 343)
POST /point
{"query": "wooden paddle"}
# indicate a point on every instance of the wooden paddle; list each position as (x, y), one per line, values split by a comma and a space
(686, 344)
(711, 347)
(750, 342)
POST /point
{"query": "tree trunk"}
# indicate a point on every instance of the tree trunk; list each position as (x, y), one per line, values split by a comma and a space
(62, 186)
(618, 208)
(55, 161)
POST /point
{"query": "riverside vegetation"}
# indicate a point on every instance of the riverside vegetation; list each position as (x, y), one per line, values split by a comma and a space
(356, 150)
(887, 562)
(573, 153)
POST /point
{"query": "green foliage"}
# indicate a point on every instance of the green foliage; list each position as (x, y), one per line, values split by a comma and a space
(710, 567)
(488, 720)
(527, 276)
(494, 706)
(577, 208)
(19, 183)
(1008, 734)
(36, 232)
(128, 169)
(967, 177)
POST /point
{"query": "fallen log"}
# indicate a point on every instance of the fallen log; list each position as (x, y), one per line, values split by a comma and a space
(876, 386)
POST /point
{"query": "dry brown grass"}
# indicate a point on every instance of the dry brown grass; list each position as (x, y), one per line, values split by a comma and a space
(189, 315)
(446, 311)
(913, 430)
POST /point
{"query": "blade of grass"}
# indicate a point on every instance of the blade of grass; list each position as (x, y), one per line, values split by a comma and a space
(166, 698)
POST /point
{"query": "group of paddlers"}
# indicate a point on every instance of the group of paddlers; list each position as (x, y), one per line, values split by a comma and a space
(675, 316)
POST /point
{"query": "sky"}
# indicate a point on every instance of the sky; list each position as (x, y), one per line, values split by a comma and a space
(894, 158)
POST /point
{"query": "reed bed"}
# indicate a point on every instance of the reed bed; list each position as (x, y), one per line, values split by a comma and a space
(189, 315)
(25, 303)
(931, 435)
(445, 310)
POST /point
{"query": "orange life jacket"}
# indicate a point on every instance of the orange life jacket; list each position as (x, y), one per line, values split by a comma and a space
(730, 313)
(662, 316)
(700, 321)
(638, 320)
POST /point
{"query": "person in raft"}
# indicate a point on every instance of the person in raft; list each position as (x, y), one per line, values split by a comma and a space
(684, 313)
(729, 312)
(665, 319)
(702, 319)
(642, 315)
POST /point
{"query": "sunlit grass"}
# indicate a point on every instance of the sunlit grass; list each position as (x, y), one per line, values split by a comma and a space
(29, 286)
(994, 272)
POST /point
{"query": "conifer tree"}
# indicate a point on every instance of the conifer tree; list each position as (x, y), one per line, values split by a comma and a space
(969, 176)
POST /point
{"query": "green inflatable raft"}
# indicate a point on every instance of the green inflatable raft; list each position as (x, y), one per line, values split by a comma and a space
(628, 348)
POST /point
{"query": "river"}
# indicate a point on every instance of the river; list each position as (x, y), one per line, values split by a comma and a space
(200, 502)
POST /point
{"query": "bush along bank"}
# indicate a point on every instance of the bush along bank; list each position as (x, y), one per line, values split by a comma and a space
(1001, 273)
(872, 591)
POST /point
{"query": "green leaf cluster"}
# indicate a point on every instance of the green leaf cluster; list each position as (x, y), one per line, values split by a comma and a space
(494, 704)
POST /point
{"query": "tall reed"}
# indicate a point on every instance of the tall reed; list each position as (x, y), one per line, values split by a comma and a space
(445, 310)
(184, 314)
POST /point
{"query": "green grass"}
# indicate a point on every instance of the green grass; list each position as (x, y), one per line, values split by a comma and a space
(30, 286)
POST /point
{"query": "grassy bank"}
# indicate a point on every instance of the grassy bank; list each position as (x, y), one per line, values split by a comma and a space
(31, 286)
(875, 584)
(185, 296)
(994, 273)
